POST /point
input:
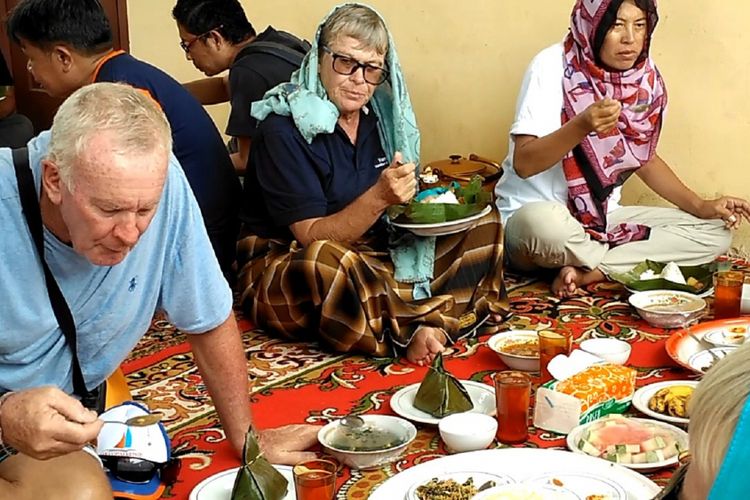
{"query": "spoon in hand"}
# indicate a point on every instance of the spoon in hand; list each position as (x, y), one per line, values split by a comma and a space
(139, 421)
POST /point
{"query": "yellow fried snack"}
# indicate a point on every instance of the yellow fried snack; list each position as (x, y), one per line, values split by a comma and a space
(671, 401)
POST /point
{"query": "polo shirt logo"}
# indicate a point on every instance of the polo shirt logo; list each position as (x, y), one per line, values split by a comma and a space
(381, 162)
(133, 284)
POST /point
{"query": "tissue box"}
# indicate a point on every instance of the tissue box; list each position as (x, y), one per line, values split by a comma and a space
(596, 391)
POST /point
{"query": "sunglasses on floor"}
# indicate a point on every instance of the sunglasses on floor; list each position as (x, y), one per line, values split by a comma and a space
(137, 470)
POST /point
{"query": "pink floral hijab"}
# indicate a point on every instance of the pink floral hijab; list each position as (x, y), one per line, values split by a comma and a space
(603, 162)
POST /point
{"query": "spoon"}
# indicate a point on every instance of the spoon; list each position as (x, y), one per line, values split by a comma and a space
(353, 422)
(139, 421)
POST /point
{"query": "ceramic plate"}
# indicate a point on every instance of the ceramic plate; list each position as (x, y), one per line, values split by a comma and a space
(582, 484)
(520, 464)
(680, 436)
(443, 228)
(728, 336)
(523, 490)
(219, 486)
(643, 395)
(479, 479)
(681, 347)
(482, 395)
(703, 360)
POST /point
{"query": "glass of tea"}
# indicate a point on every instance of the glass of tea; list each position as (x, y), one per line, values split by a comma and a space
(728, 293)
(315, 479)
(512, 396)
(550, 345)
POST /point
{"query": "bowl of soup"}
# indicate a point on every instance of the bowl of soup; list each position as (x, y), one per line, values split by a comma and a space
(668, 308)
(518, 349)
(380, 440)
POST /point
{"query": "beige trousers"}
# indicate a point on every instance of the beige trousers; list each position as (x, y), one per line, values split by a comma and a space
(544, 234)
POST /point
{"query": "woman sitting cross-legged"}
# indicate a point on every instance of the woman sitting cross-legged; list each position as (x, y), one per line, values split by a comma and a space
(335, 148)
(588, 116)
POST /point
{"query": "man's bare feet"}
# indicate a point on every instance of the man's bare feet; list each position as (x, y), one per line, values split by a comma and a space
(426, 343)
(571, 278)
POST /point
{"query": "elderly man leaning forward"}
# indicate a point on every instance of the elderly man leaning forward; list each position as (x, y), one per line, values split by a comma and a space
(105, 175)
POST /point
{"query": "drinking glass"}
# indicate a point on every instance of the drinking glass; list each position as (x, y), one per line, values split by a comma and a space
(550, 345)
(512, 396)
(315, 479)
(728, 293)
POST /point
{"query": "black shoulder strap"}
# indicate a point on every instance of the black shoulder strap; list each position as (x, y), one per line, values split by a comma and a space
(33, 214)
(288, 54)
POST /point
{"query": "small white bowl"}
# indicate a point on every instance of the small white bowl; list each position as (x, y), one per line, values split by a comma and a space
(515, 361)
(467, 431)
(668, 308)
(404, 429)
(614, 351)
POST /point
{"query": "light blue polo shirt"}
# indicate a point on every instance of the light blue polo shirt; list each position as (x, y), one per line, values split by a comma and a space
(171, 268)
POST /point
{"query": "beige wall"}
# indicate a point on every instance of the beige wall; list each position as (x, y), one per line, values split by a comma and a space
(464, 62)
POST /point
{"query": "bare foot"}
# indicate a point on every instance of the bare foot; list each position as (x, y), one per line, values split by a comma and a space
(426, 343)
(571, 278)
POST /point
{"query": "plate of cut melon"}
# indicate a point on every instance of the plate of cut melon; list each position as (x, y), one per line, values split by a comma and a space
(636, 443)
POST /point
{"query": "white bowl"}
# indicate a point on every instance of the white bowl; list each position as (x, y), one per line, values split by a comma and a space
(467, 431)
(403, 429)
(668, 308)
(515, 361)
(614, 351)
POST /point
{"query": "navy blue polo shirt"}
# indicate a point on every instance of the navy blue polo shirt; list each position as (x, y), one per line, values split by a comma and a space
(289, 180)
(197, 145)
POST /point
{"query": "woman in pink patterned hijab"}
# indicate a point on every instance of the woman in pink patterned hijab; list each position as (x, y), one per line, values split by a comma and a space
(589, 115)
(624, 81)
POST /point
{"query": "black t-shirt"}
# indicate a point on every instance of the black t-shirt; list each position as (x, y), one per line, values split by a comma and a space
(289, 180)
(5, 76)
(253, 73)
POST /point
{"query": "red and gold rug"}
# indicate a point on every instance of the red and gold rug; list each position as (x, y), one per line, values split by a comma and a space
(296, 383)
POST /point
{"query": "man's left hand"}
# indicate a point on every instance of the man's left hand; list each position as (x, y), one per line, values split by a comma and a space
(285, 445)
(728, 208)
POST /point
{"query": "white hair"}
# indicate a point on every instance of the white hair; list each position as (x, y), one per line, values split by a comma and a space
(715, 409)
(136, 121)
(359, 22)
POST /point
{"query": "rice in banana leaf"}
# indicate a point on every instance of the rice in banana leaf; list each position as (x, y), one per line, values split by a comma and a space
(441, 394)
(472, 200)
(257, 479)
(699, 278)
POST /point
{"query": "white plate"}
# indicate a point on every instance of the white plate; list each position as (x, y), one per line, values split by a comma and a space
(482, 395)
(443, 228)
(460, 477)
(219, 486)
(644, 394)
(702, 360)
(582, 484)
(680, 436)
(725, 337)
(520, 464)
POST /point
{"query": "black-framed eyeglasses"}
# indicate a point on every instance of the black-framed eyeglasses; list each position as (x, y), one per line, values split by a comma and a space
(345, 65)
(186, 45)
(136, 470)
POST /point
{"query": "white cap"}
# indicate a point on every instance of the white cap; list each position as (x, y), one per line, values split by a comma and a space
(119, 440)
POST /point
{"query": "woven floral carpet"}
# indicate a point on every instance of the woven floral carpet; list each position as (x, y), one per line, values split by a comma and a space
(296, 383)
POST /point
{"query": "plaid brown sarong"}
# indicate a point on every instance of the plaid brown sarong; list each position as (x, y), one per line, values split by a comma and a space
(344, 295)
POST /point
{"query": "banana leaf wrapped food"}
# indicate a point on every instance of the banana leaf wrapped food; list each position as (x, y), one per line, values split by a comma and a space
(648, 276)
(441, 394)
(257, 479)
(471, 200)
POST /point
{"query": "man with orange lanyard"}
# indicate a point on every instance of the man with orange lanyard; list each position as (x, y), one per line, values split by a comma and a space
(69, 45)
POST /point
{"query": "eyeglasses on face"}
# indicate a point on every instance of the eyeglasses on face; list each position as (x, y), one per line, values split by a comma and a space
(185, 44)
(345, 65)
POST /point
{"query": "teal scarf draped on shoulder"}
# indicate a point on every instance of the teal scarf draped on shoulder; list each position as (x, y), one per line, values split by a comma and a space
(305, 100)
(731, 482)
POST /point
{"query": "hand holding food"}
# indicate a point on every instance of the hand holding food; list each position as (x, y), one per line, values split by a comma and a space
(601, 117)
(398, 182)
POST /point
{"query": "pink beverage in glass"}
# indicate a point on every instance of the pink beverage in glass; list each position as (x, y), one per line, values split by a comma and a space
(315, 479)
(550, 345)
(728, 294)
(512, 395)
